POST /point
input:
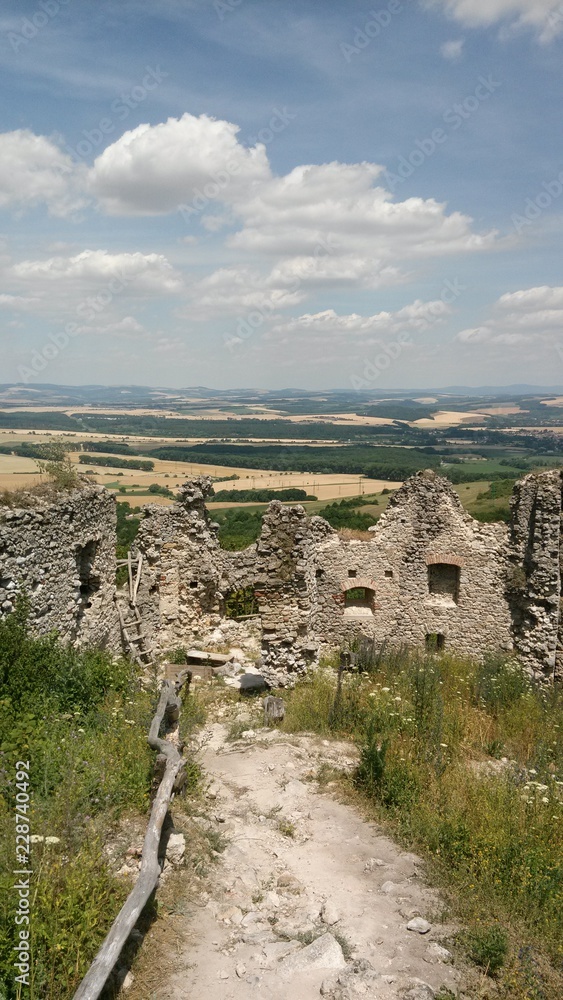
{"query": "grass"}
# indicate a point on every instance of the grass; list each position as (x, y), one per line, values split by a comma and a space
(431, 732)
(82, 727)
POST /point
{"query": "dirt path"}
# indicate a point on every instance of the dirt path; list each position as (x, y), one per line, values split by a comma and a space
(300, 867)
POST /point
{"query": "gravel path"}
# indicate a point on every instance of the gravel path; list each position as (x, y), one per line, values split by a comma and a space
(308, 898)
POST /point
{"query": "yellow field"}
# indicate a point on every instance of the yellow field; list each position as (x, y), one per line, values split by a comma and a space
(449, 418)
(16, 472)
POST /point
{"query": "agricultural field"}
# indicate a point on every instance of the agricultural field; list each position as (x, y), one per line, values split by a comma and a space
(334, 446)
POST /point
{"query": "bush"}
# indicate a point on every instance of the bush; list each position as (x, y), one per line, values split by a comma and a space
(487, 948)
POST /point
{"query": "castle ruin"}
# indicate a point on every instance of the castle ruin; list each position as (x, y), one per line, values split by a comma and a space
(429, 575)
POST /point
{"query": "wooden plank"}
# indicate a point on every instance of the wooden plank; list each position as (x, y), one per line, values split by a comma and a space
(96, 978)
(137, 579)
(130, 570)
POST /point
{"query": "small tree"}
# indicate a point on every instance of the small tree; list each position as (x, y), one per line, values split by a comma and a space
(56, 464)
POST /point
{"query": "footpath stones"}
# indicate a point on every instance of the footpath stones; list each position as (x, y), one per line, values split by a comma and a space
(419, 925)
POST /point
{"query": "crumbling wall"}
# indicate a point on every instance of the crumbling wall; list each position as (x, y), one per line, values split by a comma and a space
(430, 574)
(180, 597)
(534, 571)
(60, 550)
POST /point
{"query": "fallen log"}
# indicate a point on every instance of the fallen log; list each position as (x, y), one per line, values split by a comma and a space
(105, 961)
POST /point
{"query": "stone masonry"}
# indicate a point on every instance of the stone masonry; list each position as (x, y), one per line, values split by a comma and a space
(428, 575)
(60, 550)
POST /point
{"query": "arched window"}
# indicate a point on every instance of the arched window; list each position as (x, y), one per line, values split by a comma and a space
(358, 602)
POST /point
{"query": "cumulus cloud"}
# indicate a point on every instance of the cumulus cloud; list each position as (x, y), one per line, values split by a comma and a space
(154, 169)
(34, 170)
(330, 328)
(544, 16)
(334, 210)
(531, 316)
(141, 273)
(237, 291)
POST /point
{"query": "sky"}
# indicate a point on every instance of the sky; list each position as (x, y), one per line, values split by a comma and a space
(275, 193)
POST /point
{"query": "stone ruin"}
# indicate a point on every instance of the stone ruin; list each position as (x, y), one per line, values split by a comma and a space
(60, 550)
(429, 575)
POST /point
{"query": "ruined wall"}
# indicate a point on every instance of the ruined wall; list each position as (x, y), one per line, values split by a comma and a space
(430, 570)
(534, 572)
(180, 596)
(429, 574)
(61, 551)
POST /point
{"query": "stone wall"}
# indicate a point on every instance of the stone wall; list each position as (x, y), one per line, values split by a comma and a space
(428, 575)
(534, 571)
(60, 550)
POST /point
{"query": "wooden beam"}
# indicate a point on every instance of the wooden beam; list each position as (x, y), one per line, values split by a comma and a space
(96, 978)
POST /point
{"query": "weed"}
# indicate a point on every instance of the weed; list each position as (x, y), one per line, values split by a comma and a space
(347, 947)
(286, 827)
(237, 728)
(493, 837)
(487, 948)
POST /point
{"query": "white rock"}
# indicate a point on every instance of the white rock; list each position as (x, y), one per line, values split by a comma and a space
(437, 953)
(419, 925)
(374, 863)
(240, 970)
(127, 982)
(329, 914)
(176, 848)
(324, 953)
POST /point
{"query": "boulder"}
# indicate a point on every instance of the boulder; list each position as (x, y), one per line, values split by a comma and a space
(324, 953)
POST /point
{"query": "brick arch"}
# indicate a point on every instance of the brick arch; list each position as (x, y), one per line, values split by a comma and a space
(358, 581)
(447, 558)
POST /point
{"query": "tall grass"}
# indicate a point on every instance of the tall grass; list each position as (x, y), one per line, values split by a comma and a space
(464, 762)
(81, 721)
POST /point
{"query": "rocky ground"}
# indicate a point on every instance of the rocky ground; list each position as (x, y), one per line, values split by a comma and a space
(307, 898)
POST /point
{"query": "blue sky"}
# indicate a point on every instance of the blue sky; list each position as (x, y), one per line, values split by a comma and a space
(282, 193)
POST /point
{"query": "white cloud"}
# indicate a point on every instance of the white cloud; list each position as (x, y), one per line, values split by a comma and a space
(236, 291)
(544, 16)
(331, 329)
(452, 51)
(529, 316)
(34, 170)
(141, 273)
(335, 211)
(153, 169)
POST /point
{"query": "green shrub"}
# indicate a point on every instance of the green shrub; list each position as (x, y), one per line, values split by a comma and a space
(81, 720)
(487, 948)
